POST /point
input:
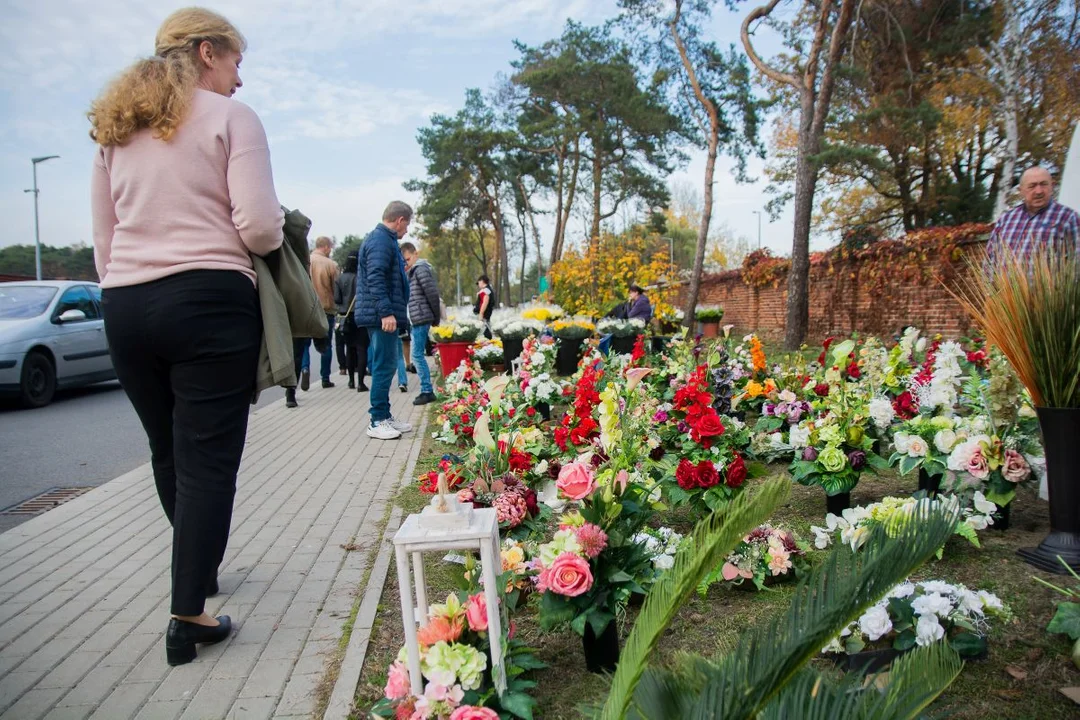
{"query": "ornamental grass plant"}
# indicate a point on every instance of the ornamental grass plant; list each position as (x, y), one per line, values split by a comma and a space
(1031, 311)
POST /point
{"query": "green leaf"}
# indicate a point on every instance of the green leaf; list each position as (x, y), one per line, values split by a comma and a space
(877, 462)
(907, 464)
(578, 624)
(905, 640)
(968, 645)
(528, 662)
(840, 352)
(555, 611)
(756, 469)
(599, 620)
(1066, 620)
(519, 704)
(1001, 499)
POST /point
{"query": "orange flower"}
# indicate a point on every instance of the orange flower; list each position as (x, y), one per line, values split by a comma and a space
(757, 354)
(440, 629)
(753, 389)
(770, 387)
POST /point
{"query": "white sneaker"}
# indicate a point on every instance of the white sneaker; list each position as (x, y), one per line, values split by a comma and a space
(383, 430)
(400, 425)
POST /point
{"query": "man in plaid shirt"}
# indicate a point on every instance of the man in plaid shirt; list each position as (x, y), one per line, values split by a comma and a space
(1038, 222)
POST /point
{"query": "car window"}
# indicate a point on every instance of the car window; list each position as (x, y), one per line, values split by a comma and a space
(77, 298)
(95, 293)
(18, 302)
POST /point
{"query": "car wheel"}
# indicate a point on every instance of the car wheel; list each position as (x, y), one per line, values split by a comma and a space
(38, 380)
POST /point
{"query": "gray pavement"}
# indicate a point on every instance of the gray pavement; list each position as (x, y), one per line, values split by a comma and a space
(86, 437)
(84, 588)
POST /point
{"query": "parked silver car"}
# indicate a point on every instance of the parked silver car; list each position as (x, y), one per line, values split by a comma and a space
(51, 336)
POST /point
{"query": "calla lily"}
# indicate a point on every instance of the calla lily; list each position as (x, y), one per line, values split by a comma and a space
(622, 478)
(841, 351)
(495, 387)
(482, 432)
(635, 376)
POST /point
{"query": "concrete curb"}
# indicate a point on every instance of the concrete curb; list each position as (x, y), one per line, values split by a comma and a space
(340, 704)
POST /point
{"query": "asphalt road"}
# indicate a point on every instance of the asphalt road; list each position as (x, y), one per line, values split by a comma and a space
(86, 437)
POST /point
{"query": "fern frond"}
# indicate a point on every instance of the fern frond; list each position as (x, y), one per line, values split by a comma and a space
(713, 538)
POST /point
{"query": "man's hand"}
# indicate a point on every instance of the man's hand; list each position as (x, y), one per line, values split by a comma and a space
(389, 324)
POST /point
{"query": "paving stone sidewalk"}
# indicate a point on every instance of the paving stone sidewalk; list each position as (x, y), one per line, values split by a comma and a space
(84, 588)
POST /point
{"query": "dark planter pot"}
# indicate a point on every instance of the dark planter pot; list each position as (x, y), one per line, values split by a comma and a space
(932, 485)
(601, 652)
(544, 409)
(838, 503)
(1001, 518)
(511, 351)
(658, 344)
(867, 661)
(567, 356)
(1060, 430)
(770, 581)
(623, 345)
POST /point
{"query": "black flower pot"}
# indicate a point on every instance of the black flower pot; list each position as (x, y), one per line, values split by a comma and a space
(836, 504)
(567, 356)
(931, 484)
(601, 651)
(1060, 431)
(658, 344)
(544, 409)
(623, 345)
(867, 661)
(1001, 518)
(511, 351)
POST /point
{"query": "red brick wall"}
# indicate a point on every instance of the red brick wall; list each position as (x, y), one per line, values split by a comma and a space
(840, 304)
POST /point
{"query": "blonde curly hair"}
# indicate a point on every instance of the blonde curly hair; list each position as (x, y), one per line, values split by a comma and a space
(156, 92)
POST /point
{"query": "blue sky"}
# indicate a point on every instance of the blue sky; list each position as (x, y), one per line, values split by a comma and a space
(341, 85)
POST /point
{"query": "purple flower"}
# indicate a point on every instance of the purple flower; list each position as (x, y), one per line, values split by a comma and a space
(809, 454)
(794, 414)
(661, 416)
(768, 409)
(857, 458)
(684, 427)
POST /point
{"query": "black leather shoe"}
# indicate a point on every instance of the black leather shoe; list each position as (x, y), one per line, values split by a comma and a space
(290, 397)
(182, 636)
(361, 387)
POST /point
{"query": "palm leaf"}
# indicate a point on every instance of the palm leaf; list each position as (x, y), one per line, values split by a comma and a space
(713, 538)
(838, 591)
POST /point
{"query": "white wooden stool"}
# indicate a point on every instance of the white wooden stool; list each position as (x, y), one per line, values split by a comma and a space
(482, 534)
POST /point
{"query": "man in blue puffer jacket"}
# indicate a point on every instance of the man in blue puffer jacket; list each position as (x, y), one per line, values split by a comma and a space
(382, 300)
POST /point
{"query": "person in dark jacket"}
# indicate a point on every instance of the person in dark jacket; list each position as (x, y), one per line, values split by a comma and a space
(355, 339)
(423, 313)
(637, 307)
(382, 299)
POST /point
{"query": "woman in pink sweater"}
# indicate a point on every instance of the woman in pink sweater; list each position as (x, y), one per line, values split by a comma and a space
(182, 196)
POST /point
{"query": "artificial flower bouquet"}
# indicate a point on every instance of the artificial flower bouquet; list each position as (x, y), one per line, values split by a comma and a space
(921, 613)
(462, 398)
(462, 329)
(768, 555)
(587, 571)
(705, 469)
(854, 525)
(518, 329)
(620, 328)
(488, 353)
(543, 312)
(662, 545)
(536, 377)
(573, 328)
(457, 681)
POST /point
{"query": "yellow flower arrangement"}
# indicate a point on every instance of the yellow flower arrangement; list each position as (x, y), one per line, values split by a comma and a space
(573, 328)
(543, 314)
(442, 332)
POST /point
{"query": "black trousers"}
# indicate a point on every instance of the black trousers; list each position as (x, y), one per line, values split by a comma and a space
(356, 348)
(185, 349)
(339, 347)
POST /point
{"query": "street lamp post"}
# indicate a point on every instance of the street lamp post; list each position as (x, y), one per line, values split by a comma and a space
(758, 213)
(37, 233)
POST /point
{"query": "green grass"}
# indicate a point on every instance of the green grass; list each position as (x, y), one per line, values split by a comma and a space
(709, 625)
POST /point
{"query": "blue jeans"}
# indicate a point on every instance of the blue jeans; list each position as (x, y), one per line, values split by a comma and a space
(419, 342)
(327, 357)
(402, 377)
(385, 350)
